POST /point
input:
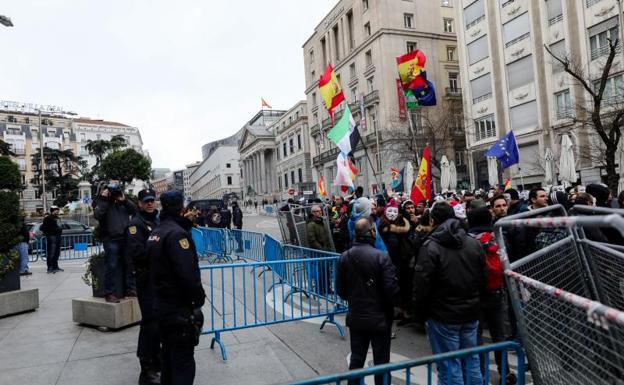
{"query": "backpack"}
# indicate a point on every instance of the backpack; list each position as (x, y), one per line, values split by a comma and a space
(493, 264)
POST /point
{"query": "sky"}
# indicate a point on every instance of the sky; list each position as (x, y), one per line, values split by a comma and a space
(184, 72)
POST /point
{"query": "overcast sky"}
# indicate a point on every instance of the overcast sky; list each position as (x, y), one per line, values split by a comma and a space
(184, 72)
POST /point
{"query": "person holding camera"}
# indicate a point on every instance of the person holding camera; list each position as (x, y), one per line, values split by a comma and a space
(113, 211)
(178, 291)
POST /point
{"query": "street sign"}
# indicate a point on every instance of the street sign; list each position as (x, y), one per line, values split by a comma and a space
(308, 192)
(291, 191)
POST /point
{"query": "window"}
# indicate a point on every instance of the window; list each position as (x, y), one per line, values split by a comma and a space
(21, 163)
(613, 87)
(300, 174)
(279, 182)
(291, 145)
(447, 3)
(474, 13)
(364, 5)
(314, 103)
(448, 25)
(284, 151)
(417, 121)
(298, 141)
(372, 118)
(324, 50)
(229, 180)
(352, 70)
(83, 138)
(367, 29)
(336, 34)
(350, 40)
(98, 136)
(478, 50)
(286, 180)
(370, 84)
(450, 53)
(589, 3)
(369, 58)
(228, 165)
(408, 19)
(481, 88)
(313, 75)
(485, 128)
(311, 56)
(520, 72)
(599, 36)
(563, 104)
(554, 11)
(524, 116)
(460, 158)
(411, 46)
(516, 30)
(559, 50)
(453, 81)
(292, 177)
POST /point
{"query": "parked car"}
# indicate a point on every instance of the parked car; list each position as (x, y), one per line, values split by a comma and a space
(81, 233)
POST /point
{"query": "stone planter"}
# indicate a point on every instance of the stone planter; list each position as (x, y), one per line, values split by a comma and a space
(11, 281)
(99, 269)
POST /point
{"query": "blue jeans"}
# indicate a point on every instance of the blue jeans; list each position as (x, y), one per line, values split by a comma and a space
(53, 251)
(447, 338)
(114, 256)
(22, 249)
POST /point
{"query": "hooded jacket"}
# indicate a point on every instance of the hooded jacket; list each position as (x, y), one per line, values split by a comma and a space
(449, 275)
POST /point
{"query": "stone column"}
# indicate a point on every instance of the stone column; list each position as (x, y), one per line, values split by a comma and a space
(263, 178)
(256, 174)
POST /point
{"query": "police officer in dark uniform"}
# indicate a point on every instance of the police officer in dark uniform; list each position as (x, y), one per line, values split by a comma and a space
(138, 231)
(179, 294)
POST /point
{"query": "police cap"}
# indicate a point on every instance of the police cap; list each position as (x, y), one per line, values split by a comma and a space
(147, 194)
(172, 198)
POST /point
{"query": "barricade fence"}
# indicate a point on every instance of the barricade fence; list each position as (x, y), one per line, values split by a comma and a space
(403, 371)
(238, 299)
(74, 246)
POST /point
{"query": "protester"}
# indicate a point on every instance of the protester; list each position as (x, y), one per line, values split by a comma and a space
(179, 294)
(449, 276)
(53, 233)
(498, 205)
(538, 198)
(362, 208)
(139, 229)
(367, 281)
(22, 248)
(113, 212)
(516, 205)
(318, 239)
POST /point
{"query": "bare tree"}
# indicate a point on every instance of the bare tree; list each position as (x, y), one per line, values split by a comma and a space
(602, 114)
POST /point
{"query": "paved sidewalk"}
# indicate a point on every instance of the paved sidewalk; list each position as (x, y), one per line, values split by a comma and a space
(45, 347)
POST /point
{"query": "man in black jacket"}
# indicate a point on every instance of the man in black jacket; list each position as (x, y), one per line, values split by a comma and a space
(449, 276)
(53, 233)
(113, 212)
(139, 229)
(366, 279)
(237, 221)
(179, 294)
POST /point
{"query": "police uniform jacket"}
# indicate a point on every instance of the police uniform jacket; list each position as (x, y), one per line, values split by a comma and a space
(137, 233)
(175, 271)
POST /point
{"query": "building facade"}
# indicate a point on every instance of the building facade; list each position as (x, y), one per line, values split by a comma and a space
(294, 162)
(163, 183)
(188, 196)
(361, 39)
(217, 175)
(511, 82)
(258, 155)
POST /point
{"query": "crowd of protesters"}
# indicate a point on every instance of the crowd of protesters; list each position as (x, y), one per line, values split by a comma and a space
(445, 264)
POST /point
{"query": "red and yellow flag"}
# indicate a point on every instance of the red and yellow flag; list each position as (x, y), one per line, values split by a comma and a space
(507, 184)
(330, 89)
(321, 187)
(265, 104)
(411, 65)
(421, 191)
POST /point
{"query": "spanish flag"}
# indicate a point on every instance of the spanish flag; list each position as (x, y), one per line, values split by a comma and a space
(508, 184)
(421, 191)
(321, 186)
(265, 104)
(411, 65)
(330, 90)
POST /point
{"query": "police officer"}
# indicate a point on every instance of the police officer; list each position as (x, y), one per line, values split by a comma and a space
(179, 294)
(139, 229)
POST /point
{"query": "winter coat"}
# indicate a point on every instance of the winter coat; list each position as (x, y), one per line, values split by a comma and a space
(114, 218)
(237, 218)
(318, 237)
(139, 229)
(366, 279)
(449, 276)
(50, 226)
(396, 238)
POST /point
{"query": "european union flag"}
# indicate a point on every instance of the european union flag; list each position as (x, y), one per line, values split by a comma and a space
(505, 150)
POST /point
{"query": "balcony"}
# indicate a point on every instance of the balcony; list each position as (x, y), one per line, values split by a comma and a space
(453, 92)
(324, 157)
(482, 98)
(371, 98)
(555, 19)
(517, 40)
(18, 151)
(568, 113)
(315, 130)
(603, 51)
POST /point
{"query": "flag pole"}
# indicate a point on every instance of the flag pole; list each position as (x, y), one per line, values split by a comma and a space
(363, 119)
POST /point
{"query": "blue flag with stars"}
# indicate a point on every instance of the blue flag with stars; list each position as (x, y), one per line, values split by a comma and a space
(505, 150)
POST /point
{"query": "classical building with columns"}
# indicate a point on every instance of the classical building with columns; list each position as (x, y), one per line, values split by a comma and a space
(258, 156)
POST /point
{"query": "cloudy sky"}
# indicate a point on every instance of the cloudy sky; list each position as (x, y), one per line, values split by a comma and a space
(184, 72)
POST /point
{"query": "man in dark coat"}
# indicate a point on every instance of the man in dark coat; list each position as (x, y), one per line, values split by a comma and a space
(139, 229)
(53, 233)
(449, 277)
(179, 294)
(367, 280)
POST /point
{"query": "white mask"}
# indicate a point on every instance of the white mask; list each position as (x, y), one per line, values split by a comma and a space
(392, 213)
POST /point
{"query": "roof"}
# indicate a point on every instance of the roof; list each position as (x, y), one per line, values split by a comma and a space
(99, 122)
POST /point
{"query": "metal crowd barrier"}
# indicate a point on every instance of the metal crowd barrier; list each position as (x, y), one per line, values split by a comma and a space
(239, 300)
(568, 298)
(245, 244)
(79, 246)
(211, 244)
(403, 370)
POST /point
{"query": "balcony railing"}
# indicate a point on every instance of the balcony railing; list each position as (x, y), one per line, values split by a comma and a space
(314, 130)
(18, 151)
(589, 3)
(371, 97)
(482, 98)
(326, 156)
(555, 19)
(602, 51)
(475, 21)
(517, 40)
(453, 91)
(565, 114)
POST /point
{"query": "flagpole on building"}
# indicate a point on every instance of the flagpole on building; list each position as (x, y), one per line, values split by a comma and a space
(370, 162)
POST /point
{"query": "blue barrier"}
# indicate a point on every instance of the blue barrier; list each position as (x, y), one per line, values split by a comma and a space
(73, 246)
(212, 242)
(238, 300)
(245, 244)
(403, 369)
